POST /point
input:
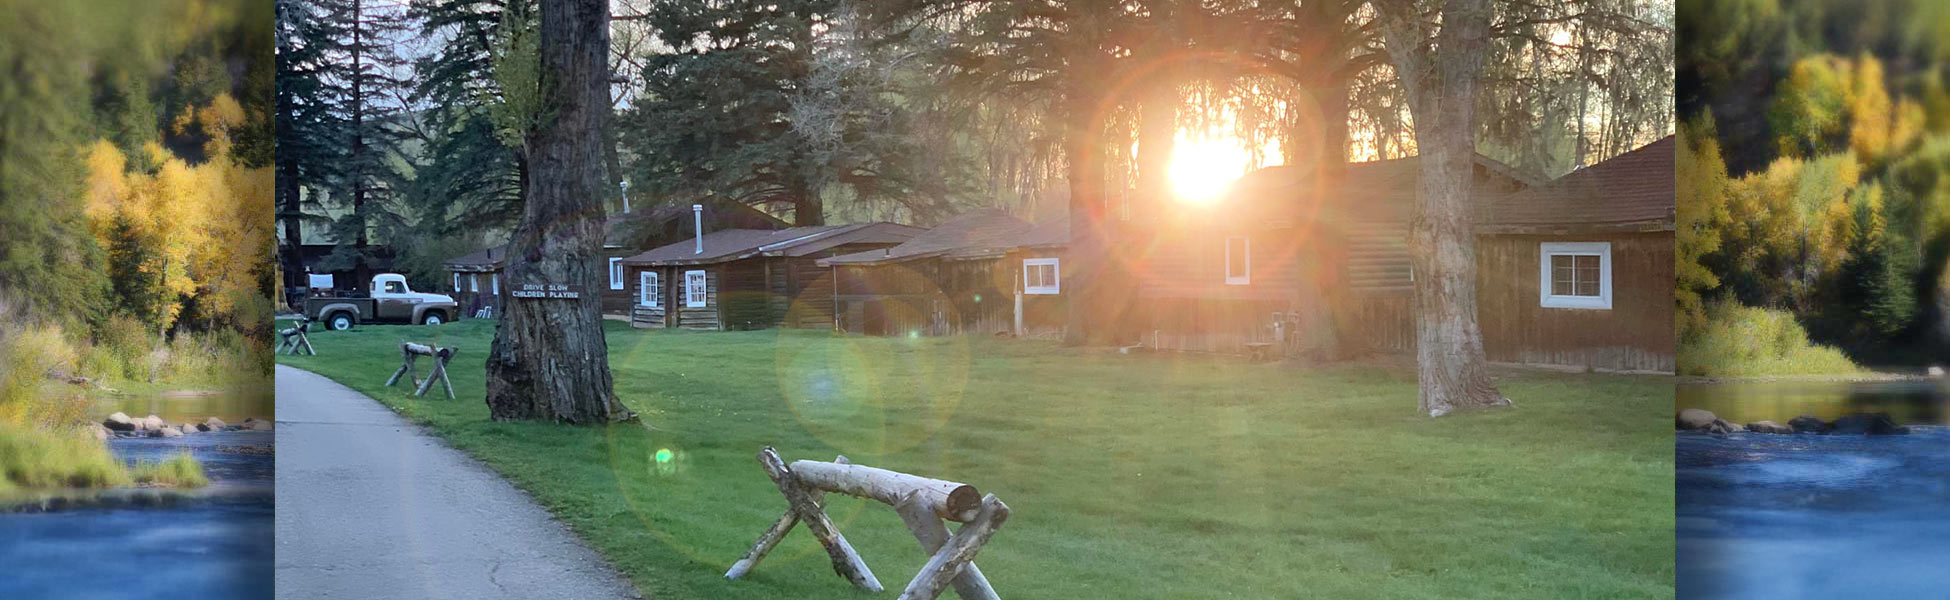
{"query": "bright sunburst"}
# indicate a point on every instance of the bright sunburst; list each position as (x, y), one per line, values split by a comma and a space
(1202, 168)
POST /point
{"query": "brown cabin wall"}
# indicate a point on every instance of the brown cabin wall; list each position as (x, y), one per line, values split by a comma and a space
(947, 297)
(1635, 334)
(672, 313)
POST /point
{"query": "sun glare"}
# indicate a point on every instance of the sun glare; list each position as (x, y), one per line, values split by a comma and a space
(1202, 168)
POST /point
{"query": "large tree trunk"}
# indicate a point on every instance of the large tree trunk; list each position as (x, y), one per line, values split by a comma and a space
(549, 359)
(1441, 86)
(1088, 258)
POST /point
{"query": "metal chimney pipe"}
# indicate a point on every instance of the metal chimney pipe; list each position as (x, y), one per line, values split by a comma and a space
(697, 218)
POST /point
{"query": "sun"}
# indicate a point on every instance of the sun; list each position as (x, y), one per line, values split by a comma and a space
(1201, 168)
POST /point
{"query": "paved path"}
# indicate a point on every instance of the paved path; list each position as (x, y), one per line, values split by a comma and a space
(370, 507)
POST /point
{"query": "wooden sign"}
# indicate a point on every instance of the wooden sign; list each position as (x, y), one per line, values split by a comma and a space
(546, 290)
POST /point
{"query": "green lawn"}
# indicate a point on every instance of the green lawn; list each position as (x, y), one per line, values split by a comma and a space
(1154, 476)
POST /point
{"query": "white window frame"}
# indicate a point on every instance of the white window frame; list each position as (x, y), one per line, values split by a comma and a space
(474, 282)
(1055, 273)
(616, 273)
(1247, 278)
(646, 281)
(494, 279)
(697, 296)
(1546, 299)
(456, 282)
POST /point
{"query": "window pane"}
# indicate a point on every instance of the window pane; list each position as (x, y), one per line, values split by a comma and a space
(1588, 287)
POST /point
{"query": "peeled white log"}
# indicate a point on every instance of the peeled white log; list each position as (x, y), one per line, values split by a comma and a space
(949, 562)
(412, 348)
(932, 535)
(770, 539)
(946, 499)
(846, 561)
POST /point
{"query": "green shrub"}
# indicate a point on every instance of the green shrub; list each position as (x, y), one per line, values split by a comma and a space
(181, 471)
(121, 350)
(1743, 341)
(31, 457)
(27, 355)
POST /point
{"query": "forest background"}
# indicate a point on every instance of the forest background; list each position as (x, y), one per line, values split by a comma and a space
(1814, 185)
(400, 123)
(135, 201)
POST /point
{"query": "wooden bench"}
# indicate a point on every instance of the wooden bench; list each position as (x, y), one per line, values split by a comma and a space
(1259, 351)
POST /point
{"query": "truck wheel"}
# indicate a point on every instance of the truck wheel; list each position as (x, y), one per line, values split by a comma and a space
(432, 318)
(340, 321)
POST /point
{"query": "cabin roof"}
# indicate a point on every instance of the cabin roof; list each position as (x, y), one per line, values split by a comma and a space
(978, 234)
(1632, 191)
(734, 244)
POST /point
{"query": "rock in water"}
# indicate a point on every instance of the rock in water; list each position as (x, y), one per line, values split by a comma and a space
(213, 424)
(169, 432)
(119, 422)
(1868, 424)
(96, 431)
(257, 425)
(1808, 424)
(1768, 427)
(153, 422)
(1693, 419)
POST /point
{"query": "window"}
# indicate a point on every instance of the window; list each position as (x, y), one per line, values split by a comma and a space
(648, 291)
(1039, 276)
(474, 282)
(1575, 275)
(395, 287)
(616, 273)
(1239, 260)
(456, 282)
(694, 289)
(494, 279)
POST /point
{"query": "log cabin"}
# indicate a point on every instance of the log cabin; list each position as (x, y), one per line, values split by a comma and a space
(984, 272)
(476, 277)
(1288, 262)
(748, 278)
(1580, 271)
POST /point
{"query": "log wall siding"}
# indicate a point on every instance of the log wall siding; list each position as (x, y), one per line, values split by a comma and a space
(650, 317)
(1636, 334)
(946, 297)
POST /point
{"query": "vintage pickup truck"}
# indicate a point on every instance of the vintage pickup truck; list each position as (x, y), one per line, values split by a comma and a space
(391, 301)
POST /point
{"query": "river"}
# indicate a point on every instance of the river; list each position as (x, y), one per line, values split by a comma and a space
(214, 544)
(1801, 516)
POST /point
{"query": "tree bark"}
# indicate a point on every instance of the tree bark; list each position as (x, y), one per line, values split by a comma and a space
(1441, 87)
(1087, 263)
(549, 359)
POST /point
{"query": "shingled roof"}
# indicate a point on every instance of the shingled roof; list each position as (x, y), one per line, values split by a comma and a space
(1629, 192)
(484, 260)
(734, 244)
(982, 233)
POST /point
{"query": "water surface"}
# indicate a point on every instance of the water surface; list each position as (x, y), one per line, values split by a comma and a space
(215, 545)
(1906, 401)
(233, 406)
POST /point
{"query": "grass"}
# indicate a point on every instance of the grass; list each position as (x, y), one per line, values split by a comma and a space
(34, 458)
(181, 470)
(1744, 341)
(1131, 476)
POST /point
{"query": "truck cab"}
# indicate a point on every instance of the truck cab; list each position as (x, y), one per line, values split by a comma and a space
(391, 301)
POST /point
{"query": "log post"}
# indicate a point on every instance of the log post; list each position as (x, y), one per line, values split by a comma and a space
(407, 354)
(846, 561)
(440, 358)
(948, 563)
(770, 539)
(294, 338)
(932, 535)
(946, 499)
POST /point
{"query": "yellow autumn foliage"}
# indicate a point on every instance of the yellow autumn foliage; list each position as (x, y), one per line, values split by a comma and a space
(210, 221)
